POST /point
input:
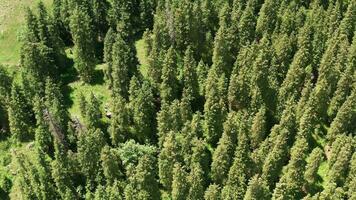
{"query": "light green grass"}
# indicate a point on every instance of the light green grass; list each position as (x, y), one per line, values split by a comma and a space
(142, 58)
(100, 91)
(12, 18)
(323, 172)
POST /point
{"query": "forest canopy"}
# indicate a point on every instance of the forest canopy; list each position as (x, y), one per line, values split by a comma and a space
(181, 99)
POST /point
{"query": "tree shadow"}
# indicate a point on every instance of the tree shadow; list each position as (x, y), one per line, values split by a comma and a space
(69, 75)
(98, 77)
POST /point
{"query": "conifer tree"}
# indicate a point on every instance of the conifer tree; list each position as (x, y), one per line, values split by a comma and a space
(119, 120)
(343, 122)
(111, 164)
(341, 93)
(43, 137)
(257, 189)
(239, 173)
(90, 144)
(100, 9)
(93, 113)
(292, 84)
(20, 115)
(351, 179)
(62, 172)
(212, 192)
(197, 182)
(190, 79)
(290, 185)
(143, 110)
(124, 66)
(338, 163)
(267, 17)
(222, 156)
(180, 188)
(166, 160)
(258, 129)
(313, 162)
(81, 26)
(169, 87)
(143, 184)
(214, 107)
(108, 55)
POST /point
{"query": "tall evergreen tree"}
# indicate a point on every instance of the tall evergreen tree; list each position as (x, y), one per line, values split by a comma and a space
(81, 26)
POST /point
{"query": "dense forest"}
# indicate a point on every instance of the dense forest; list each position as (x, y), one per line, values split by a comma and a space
(236, 100)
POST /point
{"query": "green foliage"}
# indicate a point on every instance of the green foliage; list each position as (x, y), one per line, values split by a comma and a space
(237, 99)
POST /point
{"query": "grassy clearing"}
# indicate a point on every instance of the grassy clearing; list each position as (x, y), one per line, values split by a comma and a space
(12, 17)
(142, 58)
(99, 89)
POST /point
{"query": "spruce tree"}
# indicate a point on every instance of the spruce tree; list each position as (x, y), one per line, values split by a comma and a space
(313, 163)
(124, 66)
(166, 160)
(290, 185)
(143, 184)
(190, 79)
(212, 192)
(257, 189)
(20, 115)
(108, 55)
(180, 188)
(223, 154)
(81, 26)
(169, 87)
(143, 110)
(119, 121)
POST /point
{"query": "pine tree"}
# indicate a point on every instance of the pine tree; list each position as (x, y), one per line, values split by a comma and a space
(212, 192)
(214, 107)
(341, 93)
(169, 87)
(81, 26)
(93, 113)
(20, 115)
(90, 144)
(166, 160)
(239, 173)
(267, 17)
(180, 188)
(290, 185)
(351, 179)
(313, 163)
(258, 129)
(292, 84)
(108, 55)
(143, 110)
(124, 66)
(340, 157)
(43, 137)
(119, 121)
(190, 79)
(223, 155)
(62, 172)
(55, 105)
(344, 118)
(143, 184)
(111, 165)
(197, 182)
(257, 189)
(100, 9)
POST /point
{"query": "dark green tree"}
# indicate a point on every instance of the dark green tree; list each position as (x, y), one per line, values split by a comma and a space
(82, 29)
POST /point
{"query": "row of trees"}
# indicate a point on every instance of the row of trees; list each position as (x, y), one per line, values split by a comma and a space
(243, 99)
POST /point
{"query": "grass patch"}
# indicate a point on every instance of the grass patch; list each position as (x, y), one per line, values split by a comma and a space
(323, 173)
(12, 18)
(99, 89)
(141, 56)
